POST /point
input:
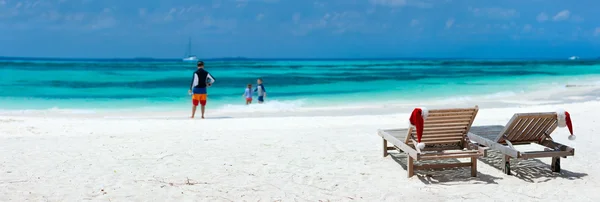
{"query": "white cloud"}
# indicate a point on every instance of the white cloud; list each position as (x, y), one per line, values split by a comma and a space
(389, 2)
(332, 22)
(542, 17)
(414, 22)
(75, 17)
(296, 17)
(241, 3)
(142, 12)
(576, 18)
(318, 4)
(260, 16)
(183, 13)
(497, 13)
(597, 31)
(449, 23)
(104, 22)
(527, 28)
(400, 3)
(563, 15)
(208, 24)
(420, 4)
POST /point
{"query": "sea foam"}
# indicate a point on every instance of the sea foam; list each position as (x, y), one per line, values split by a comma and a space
(267, 106)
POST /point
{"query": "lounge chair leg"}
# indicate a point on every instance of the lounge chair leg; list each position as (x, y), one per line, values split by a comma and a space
(555, 166)
(506, 168)
(410, 167)
(385, 151)
(473, 166)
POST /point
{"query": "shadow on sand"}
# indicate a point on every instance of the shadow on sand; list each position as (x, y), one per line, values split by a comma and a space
(530, 170)
(218, 117)
(448, 176)
(188, 118)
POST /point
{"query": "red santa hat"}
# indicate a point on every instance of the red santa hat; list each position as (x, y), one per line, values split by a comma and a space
(417, 118)
(564, 120)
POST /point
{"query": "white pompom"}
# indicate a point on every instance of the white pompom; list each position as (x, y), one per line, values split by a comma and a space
(424, 113)
(561, 117)
(572, 137)
(421, 145)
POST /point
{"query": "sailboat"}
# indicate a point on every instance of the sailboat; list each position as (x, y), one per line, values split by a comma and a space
(188, 55)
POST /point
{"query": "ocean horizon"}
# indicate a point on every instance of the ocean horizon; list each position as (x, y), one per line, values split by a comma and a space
(162, 84)
(242, 58)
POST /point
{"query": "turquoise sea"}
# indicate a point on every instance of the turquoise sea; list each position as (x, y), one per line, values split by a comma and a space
(163, 84)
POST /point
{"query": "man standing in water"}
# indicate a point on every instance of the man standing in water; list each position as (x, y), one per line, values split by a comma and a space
(201, 80)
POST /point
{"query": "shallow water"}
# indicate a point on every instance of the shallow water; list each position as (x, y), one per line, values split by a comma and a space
(163, 85)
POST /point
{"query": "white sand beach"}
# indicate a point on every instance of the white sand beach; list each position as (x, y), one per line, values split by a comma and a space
(300, 158)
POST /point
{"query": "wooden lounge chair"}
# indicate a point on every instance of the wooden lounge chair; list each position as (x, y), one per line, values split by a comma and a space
(445, 137)
(523, 128)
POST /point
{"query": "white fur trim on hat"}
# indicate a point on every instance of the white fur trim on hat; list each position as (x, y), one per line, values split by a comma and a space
(421, 145)
(424, 113)
(571, 137)
(561, 117)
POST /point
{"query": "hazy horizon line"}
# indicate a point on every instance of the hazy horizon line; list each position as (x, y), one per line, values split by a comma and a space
(282, 58)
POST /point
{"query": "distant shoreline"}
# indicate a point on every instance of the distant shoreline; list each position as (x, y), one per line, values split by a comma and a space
(150, 59)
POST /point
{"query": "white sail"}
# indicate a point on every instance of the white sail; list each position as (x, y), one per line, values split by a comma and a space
(188, 54)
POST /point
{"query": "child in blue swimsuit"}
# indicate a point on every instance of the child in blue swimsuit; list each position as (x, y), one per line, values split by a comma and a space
(260, 89)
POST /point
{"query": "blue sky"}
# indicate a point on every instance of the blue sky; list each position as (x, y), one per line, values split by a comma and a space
(300, 29)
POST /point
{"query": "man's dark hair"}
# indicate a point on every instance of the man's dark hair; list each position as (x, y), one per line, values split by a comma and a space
(260, 79)
(200, 64)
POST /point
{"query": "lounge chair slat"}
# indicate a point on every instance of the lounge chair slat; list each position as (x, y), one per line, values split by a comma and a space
(429, 138)
(440, 142)
(537, 134)
(533, 135)
(548, 130)
(450, 152)
(449, 117)
(533, 131)
(552, 128)
(443, 121)
(446, 147)
(462, 128)
(434, 132)
(453, 135)
(464, 113)
(523, 135)
(450, 156)
(500, 137)
(447, 124)
(451, 110)
(517, 130)
(532, 126)
(537, 115)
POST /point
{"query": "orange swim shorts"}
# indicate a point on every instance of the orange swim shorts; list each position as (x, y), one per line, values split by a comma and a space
(199, 98)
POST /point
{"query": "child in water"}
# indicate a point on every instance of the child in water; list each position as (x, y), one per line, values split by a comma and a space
(260, 89)
(248, 94)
